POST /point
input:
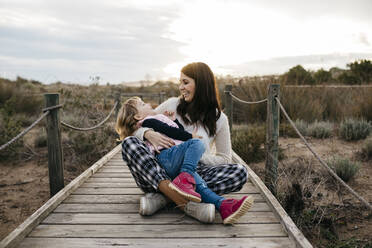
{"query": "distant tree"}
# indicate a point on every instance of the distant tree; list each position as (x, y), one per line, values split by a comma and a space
(298, 75)
(362, 70)
(336, 72)
(322, 76)
(348, 78)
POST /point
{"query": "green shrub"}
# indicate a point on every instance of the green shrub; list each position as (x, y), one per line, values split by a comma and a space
(367, 149)
(286, 129)
(248, 142)
(344, 168)
(302, 126)
(320, 130)
(89, 146)
(351, 129)
(9, 128)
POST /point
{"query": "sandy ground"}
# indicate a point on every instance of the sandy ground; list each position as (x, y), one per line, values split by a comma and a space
(24, 185)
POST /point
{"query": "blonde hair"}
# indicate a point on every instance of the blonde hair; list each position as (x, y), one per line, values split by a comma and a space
(126, 124)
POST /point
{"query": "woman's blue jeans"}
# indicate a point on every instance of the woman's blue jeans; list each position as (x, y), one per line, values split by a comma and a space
(184, 158)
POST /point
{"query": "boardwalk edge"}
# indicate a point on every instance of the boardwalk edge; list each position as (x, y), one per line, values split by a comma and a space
(290, 227)
(18, 234)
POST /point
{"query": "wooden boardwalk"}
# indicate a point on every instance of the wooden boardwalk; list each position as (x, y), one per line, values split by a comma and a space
(100, 209)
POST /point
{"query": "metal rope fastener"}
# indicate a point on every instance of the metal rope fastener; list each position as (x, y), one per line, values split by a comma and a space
(24, 131)
(242, 101)
(321, 161)
(90, 128)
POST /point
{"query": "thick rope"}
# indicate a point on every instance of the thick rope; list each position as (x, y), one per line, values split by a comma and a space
(321, 161)
(52, 107)
(24, 131)
(241, 101)
(91, 128)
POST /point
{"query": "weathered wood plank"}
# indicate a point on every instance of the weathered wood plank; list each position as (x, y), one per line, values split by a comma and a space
(114, 170)
(127, 208)
(109, 191)
(112, 175)
(109, 185)
(267, 242)
(131, 198)
(99, 199)
(165, 217)
(116, 167)
(131, 191)
(159, 231)
(109, 180)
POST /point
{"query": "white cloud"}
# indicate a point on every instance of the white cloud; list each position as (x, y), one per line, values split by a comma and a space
(125, 40)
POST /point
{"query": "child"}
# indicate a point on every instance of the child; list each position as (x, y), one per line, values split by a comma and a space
(179, 161)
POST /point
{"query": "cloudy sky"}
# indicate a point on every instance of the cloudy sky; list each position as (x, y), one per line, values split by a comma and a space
(130, 40)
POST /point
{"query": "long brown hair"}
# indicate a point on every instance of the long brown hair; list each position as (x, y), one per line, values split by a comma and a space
(126, 124)
(205, 105)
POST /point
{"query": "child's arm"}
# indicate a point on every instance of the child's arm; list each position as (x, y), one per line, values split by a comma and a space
(171, 132)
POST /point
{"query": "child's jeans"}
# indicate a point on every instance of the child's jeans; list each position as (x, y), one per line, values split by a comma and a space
(184, 158)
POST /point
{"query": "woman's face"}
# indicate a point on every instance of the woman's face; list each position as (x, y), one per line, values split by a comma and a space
(187, 87)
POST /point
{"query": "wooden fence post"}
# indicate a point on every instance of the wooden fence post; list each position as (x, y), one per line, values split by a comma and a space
(161, 97)
(272, 135)
(118, 106)
(229, 104)
(55, 155)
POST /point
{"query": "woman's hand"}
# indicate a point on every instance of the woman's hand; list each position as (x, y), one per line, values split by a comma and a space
(157, 139)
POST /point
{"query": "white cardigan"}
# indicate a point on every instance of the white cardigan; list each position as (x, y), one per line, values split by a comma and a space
(218, 147)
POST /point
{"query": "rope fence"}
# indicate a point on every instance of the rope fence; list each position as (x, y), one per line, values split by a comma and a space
(94, 127)
(24, 131)
(46, 112)
(242, 101)
(272, 134)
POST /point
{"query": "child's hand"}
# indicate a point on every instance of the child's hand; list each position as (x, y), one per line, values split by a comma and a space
(170, 114)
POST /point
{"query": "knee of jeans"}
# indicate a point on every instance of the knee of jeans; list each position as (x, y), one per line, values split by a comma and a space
(199, 144)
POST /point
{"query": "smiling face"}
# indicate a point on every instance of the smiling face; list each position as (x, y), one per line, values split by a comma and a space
(187, 87)
(144, 110)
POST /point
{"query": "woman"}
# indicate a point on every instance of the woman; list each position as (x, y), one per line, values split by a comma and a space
(197, 109)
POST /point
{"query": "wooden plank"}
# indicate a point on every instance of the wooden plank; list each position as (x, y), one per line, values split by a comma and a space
(165, 217)
(159, 231)
(108, 191)
(131, 191)
(103, 199)
(14, 238)
(131, 198)
(112, 175)
(116, 167)
(267, 242)
(294, 233)
(109, 185)
(117, 163)
(109, 180)
(127, 208)
(114, 170)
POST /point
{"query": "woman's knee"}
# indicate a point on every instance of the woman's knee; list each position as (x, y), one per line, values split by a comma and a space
(242, 172)
(130, 147)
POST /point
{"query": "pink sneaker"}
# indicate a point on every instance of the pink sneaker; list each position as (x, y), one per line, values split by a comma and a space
(184, 184)
(231, 210)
